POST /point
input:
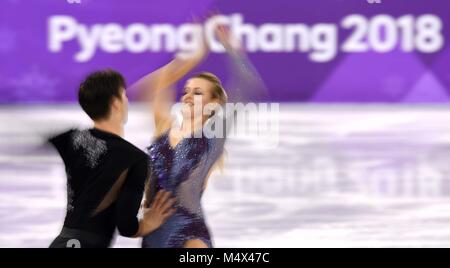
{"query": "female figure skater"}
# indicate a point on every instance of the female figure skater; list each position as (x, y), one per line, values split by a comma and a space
(182, 158)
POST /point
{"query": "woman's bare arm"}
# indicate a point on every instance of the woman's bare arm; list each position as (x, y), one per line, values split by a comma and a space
(156, 87)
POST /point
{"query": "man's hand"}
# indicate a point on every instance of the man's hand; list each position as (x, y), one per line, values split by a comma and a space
(157, 214)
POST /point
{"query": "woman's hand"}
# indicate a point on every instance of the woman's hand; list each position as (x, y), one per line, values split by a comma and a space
(227, 39)
(197, 55)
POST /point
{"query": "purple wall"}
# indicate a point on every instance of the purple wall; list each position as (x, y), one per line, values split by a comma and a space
(302, 49)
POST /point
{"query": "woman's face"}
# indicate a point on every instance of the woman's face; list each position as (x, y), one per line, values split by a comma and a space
(196, 91)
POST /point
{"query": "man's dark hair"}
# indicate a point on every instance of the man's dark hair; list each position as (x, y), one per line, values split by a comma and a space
(97, 92)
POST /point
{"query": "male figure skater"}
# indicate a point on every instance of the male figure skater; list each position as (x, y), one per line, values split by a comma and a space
(105, 173)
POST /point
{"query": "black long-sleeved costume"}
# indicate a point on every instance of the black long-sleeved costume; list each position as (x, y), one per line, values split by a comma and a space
(105, 183)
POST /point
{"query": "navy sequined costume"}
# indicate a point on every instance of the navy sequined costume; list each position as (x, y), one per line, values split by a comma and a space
(182, 170)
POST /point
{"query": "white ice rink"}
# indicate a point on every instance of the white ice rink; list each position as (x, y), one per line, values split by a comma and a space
(341, 176)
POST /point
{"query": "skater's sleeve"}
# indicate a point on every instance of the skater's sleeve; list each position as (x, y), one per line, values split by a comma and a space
(130, 197)
(245, 84)
(61, 142)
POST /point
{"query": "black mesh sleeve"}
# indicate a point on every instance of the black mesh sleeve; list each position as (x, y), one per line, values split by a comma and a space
(129, 199)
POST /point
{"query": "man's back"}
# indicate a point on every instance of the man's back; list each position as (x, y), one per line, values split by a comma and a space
(105, 182)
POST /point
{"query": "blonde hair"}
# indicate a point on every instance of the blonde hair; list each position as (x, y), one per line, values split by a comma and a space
(219, 93)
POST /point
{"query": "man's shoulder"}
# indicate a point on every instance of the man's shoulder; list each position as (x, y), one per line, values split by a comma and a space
(127, 149)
